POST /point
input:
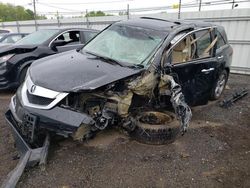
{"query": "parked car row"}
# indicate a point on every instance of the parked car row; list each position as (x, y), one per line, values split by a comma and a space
(15, 59)
(129, 75)
(10, 38)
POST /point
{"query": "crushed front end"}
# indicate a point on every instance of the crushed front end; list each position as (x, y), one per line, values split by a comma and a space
(34, 119)
(35, 111)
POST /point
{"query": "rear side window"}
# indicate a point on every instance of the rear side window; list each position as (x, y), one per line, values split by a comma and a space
(89, 35)
(220, 42)
(196, 45)
(203, 41)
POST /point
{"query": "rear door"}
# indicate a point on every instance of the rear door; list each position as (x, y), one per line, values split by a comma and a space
(223, 50)
(194, 64)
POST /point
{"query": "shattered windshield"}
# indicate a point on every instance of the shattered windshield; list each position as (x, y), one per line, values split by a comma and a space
(125, 43)
(37, 37)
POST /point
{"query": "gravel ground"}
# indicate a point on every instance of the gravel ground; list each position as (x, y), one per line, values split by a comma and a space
(215, 152)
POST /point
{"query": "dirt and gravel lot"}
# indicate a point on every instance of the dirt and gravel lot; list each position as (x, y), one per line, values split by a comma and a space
(215, 152)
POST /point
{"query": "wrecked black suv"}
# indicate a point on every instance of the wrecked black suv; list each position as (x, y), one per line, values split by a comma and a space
(130, 75)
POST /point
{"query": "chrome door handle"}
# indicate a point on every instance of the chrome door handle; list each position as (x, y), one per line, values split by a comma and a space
(207, 70)
(220, 57)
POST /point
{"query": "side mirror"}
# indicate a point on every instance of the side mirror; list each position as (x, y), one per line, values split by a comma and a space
(79, 48)
(167, 63)
(167, 59)
(57, 43)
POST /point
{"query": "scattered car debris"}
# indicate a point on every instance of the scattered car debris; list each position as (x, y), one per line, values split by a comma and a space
(29, 157)
(239, 94)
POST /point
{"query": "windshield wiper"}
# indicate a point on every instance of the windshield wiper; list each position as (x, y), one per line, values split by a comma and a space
(137, 66)
(107, 59)
(110, 60)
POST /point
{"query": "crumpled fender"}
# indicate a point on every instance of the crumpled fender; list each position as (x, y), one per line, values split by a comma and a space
(182, 110)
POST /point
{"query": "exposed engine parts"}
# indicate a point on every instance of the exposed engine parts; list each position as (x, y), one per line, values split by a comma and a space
(121, 102)
(129, 124)
(103, 119)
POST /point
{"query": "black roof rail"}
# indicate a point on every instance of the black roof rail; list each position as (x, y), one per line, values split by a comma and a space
(145, 17)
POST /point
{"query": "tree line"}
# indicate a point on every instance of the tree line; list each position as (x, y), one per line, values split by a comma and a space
(9, 12)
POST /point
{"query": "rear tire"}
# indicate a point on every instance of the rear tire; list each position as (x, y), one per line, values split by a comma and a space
(219, 85)
(158, 133)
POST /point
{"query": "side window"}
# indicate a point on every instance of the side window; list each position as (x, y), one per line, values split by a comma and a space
(196, 45)
(69, 38)
(220, 41)
(89, 35)
(203, 41)
(184, 50)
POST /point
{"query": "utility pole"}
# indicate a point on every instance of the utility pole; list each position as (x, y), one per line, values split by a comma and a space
(233, 4)
(34, 6)
(128, 11)
(179, 12)
(57, 17)
(17, 23)
(200, 6)
(87, 19)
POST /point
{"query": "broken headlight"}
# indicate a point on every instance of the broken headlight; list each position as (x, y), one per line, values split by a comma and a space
(5, 58)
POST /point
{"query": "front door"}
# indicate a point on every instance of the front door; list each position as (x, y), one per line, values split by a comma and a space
(69, 40)
(194, 65)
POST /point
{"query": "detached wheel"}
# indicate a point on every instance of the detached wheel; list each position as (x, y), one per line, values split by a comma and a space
(219, 86)
(156, 128)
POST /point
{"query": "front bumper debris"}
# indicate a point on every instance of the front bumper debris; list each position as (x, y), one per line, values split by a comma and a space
(28, 156)
(61, 121)
(226, 103)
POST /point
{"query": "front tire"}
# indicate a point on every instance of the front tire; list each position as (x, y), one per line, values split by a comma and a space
(23, 75)
(219, 85)
(163, 131)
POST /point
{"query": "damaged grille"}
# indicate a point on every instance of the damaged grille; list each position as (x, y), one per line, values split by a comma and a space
(34, 99)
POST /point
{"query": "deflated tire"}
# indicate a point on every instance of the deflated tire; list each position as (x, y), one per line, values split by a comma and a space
(156, 128)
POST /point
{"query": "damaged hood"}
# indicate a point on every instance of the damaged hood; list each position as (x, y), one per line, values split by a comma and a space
(16, 49)
(73, 71)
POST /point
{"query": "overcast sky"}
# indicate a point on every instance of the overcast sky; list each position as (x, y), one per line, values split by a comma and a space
(62, 6)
